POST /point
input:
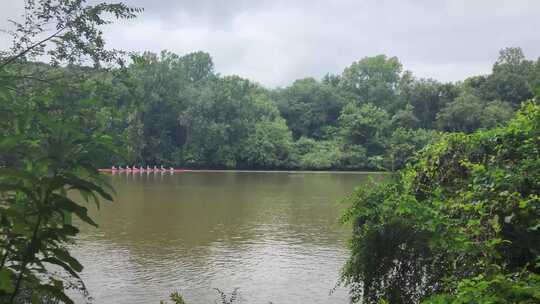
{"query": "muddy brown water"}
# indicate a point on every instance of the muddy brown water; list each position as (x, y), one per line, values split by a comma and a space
(273, 235)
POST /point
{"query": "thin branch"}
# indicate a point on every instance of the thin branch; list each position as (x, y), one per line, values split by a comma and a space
(12, 59)
(30, 77)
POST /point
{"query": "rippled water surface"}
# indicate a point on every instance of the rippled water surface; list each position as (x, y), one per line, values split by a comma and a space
(275, 236)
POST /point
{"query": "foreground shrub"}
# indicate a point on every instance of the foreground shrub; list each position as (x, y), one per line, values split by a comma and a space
(461, 225)
(223, 298)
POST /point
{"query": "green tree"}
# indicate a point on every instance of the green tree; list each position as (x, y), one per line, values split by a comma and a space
(403, 144)
(220, 118)
(198, 67)
(405, 118)
(164, 86)
(512, 79)
(309, 106)
(372, 80)
(355, 157)
(317, 155)
(366, 126)
(429, 97)
(269, 145)
(496, 113)
(460, 225)
(462, 115)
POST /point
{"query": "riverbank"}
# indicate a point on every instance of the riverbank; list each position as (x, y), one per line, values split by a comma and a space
(255, 171)
(293, 171)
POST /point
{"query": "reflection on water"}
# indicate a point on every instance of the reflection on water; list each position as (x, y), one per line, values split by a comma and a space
(273, 235)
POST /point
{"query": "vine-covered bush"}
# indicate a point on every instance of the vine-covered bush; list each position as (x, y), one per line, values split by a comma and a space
(460, 225)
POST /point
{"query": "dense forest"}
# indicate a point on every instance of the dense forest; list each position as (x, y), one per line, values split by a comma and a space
(178, 111)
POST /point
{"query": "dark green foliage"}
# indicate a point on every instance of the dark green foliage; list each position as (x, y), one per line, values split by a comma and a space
(496, 113)
(405, 118)
(177, 111)
(50, 161)
(468, 113)
(52, 142)
(310, 106)
(367, 125)
(162, 87)
(318, 155)
(504, 289)
(221, 119)
(404, 143)
(511, 78)
(269, 145)
(428, 97)
(51, 147)
(461, 115)
(458, 226)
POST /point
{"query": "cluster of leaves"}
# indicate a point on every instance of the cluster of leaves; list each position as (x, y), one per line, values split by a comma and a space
(68, 31)
(460, 225)
(176, 297)
(49, 161)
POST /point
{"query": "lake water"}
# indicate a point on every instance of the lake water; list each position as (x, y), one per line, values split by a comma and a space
(274, 236)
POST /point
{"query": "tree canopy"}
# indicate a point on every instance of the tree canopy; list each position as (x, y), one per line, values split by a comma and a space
(176, 110)
(459, 225)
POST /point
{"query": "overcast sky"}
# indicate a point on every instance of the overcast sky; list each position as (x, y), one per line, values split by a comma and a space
(275, 42)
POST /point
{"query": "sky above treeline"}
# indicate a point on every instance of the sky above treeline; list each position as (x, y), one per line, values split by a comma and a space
(274, 42)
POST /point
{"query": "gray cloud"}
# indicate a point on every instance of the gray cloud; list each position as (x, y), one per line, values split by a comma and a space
(275, 42)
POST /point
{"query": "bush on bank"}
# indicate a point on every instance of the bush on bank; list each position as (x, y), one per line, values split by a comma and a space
(460, 225)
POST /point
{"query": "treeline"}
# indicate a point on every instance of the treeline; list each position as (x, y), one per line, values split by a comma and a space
(177, 111)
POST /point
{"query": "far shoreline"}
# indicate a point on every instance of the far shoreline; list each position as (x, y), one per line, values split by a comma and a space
(287, 171)
(252, 171)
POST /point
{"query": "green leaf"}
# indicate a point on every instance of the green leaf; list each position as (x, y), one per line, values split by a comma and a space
(57, 292)
(19, 174)
(65, 266)
(69, 229)
(66, 257)
(66, 204)
(6, 187)
(9, 142)
(79, 183)
(6, 280)
(22, 228)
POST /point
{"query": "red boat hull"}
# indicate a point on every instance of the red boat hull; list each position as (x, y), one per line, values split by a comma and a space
(142, 171)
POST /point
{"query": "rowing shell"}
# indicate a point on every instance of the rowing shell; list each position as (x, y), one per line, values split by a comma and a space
(142, 171)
